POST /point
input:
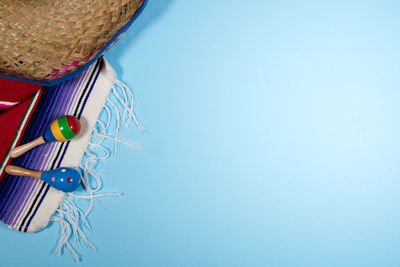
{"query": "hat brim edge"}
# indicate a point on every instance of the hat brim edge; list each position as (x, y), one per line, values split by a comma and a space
(84, 67)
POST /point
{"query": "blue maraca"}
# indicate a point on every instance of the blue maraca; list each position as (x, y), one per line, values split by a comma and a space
(63, 179)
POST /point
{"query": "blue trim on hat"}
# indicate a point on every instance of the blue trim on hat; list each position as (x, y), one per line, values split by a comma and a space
(84, 67)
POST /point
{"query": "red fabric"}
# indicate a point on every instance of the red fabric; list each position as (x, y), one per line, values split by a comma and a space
(15, 91)
(10, 119)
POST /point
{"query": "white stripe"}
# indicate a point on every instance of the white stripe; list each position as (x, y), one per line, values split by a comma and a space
(6, 103)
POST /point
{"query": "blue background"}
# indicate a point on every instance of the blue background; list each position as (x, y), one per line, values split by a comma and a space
(273, 140)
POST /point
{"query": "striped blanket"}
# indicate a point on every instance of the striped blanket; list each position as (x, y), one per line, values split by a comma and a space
(27, 204)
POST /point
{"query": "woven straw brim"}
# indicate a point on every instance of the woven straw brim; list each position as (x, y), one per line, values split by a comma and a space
(45, 39)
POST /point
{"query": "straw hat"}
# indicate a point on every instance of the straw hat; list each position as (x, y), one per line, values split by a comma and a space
(43, 40)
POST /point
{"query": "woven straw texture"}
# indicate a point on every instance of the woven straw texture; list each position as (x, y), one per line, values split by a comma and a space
(46, 39)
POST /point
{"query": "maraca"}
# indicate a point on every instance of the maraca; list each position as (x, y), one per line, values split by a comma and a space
(61, 130)
(64, 179)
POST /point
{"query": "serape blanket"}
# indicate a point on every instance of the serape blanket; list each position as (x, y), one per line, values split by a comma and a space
(28, 204)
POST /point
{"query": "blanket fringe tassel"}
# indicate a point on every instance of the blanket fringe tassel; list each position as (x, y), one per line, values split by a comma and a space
(118, 112)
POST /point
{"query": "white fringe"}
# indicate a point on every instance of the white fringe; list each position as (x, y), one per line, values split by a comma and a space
(73, 219)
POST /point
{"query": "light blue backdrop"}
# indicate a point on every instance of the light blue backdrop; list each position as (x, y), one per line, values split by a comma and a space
(273, 140)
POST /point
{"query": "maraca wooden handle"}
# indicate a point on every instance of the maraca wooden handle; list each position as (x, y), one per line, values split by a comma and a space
(15, 170)
(19, 150)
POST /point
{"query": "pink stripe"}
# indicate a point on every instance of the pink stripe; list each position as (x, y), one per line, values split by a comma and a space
(3, 105)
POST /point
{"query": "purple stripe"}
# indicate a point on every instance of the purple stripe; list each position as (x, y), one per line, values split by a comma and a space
(37, 207)
(51, 147)
(8, 195)
(30, 160)
(85, 91)
(10, 207)
(77, 91)
(83, 106)
(80, 113)
(25, 193)
(63, 93)
(25, 188)
(92, 82)
(79, 85)
(11, 189)
(22, 189)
